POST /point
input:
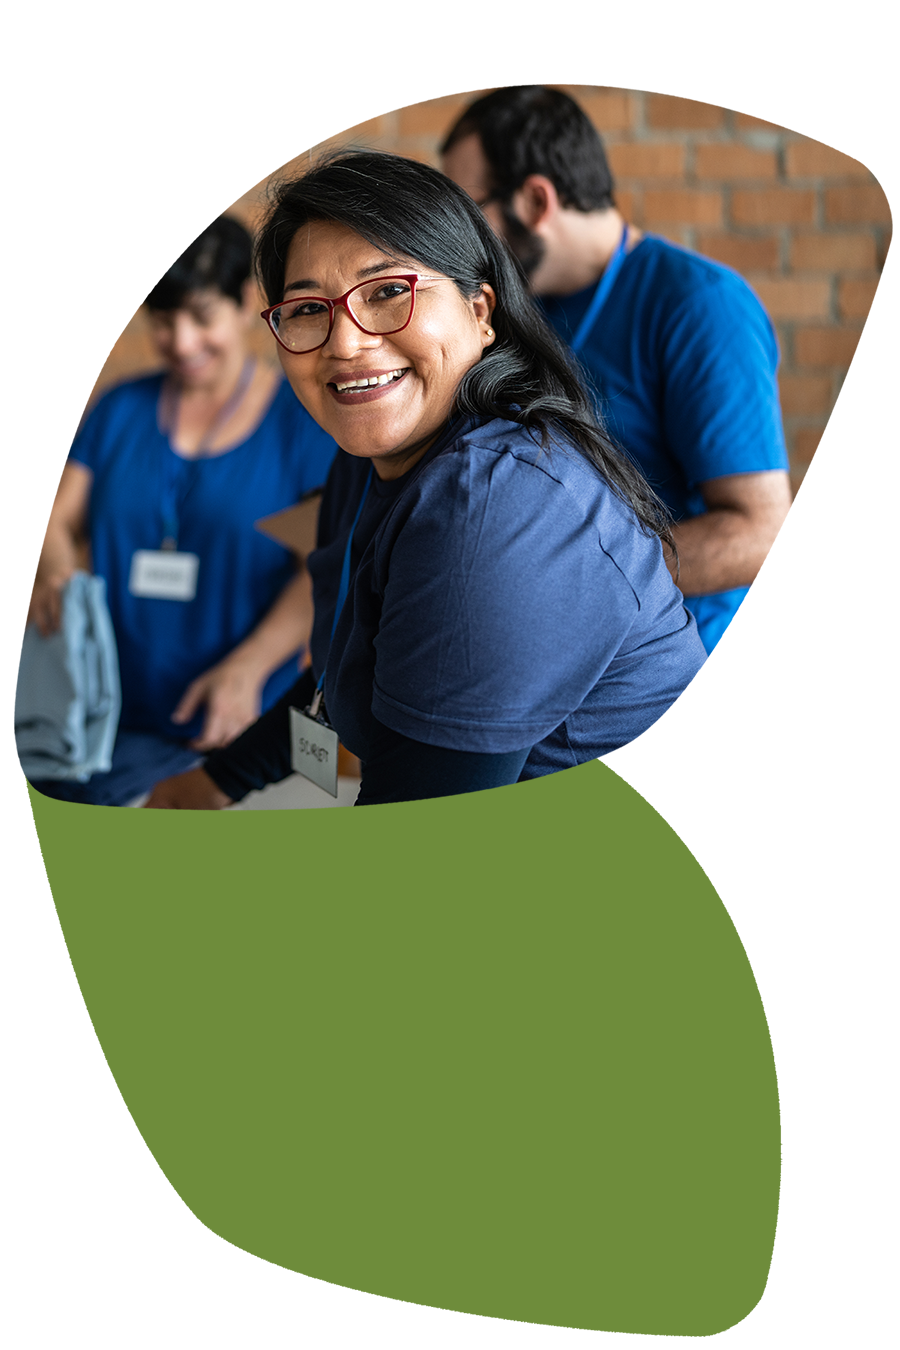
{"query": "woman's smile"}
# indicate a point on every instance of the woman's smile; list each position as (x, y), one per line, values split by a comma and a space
(386, 396)
(365, 386)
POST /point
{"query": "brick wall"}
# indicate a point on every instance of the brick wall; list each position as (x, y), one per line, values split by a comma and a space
(808, 227)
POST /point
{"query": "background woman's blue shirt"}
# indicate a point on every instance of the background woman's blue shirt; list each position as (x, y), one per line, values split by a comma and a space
(164, 644)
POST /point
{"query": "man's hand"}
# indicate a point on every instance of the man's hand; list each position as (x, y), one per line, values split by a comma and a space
(191, 791)
(232, 693)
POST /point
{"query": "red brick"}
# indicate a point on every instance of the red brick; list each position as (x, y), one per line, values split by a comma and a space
(806, 442)
(825, 347)
(413, 148)
(675, 234)
(856, 205)
(835, 252)
(735, 162)
(682, 206)
(744, 122)
(745, 253)
(805, 395)
(644, 159)
(882, 245)
(629, 204)
(434, 117)
(608, 109)
(811, 159)
(855, 296)
(364, 133)
(773, 206)
(682, 113)
(794, 297)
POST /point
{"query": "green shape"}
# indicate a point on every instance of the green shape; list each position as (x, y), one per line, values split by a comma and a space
(501, 1053)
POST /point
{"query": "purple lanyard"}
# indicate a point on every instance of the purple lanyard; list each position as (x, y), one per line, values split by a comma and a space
(601, 294)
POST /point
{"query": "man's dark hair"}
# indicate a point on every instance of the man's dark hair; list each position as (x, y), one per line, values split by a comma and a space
(221, 259)
(412, 211)
(529, 128)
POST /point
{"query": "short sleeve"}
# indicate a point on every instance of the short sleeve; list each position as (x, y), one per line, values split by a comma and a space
(112, 421)
(720, 394)
(516, 608)
(87, 447)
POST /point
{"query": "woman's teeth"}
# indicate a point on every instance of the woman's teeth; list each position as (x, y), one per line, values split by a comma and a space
(370, 382)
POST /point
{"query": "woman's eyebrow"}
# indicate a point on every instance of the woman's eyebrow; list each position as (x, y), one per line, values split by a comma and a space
(380, 267)
(310, 283)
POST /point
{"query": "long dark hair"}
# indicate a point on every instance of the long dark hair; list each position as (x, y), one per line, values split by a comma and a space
(527, 375)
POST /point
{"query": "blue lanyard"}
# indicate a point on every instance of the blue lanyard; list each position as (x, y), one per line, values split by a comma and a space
(601, 294)
(343, 589)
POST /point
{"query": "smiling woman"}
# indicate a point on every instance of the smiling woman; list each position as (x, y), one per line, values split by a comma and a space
(492, 600)
(383, 378)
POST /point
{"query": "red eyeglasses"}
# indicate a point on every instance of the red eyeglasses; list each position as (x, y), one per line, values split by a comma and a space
(384, 305)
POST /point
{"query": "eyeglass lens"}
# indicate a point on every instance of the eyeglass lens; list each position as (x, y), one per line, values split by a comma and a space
(381, 306)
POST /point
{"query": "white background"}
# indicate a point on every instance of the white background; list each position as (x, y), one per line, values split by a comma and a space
(127, 130)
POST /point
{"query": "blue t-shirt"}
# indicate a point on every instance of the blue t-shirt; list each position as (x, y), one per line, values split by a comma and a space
(684, 359)
(164, 644)
(503, 597)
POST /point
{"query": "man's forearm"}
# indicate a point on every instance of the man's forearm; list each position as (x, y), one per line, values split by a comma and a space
(725, 547)
(716, 552)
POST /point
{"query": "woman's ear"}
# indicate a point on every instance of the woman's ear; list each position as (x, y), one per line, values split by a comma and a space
(484, 304)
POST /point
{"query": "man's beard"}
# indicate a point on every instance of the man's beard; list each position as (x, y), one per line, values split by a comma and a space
(526, 246)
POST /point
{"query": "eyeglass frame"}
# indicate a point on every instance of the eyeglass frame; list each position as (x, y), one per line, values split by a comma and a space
(341, 301)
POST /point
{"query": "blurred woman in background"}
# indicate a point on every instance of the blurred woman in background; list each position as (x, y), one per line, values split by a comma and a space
(164, 483)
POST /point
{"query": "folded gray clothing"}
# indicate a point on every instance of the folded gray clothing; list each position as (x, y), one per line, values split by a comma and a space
(68, 697)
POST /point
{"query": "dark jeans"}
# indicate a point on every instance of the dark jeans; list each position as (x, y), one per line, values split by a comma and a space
(140, 759)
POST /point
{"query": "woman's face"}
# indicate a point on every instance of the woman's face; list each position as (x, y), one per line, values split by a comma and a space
(203, 342)
(392, 423)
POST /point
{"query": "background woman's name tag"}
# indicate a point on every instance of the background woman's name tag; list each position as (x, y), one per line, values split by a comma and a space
(163, 575)
(314, 751)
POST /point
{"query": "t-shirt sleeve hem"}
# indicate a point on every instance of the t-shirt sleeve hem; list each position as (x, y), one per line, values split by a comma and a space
(452, 733)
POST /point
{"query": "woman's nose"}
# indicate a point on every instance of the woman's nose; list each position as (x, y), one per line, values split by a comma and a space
(346, 338)
(185, 335)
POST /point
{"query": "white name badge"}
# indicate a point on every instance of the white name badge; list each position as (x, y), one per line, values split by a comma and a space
(314, 751)
(161, 574)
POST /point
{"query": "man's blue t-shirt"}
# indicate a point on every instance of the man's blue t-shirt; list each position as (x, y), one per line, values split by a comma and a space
(684, 360)
(503, 597)
(164, 644)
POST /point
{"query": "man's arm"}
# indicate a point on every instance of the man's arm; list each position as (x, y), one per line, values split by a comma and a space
(726, 547)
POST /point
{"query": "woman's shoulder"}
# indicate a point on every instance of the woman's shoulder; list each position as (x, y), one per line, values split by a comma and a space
(497, 451)
(128, 406)
(144, 389)
(501, 479)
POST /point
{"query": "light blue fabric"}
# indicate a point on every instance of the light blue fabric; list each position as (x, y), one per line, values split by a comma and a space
(68, 695)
